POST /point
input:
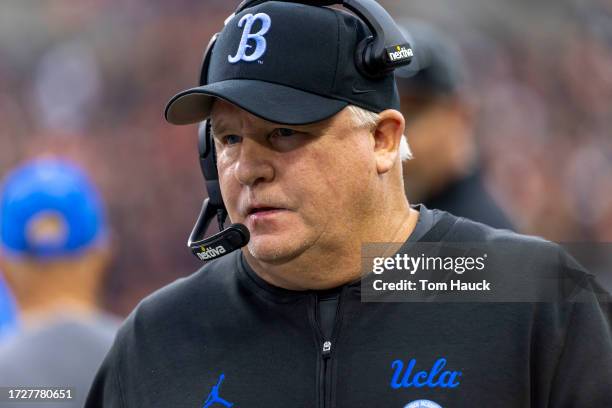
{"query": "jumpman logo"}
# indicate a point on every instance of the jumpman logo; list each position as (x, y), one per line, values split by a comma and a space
(214, 397)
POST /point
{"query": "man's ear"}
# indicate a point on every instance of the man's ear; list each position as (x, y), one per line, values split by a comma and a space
(387, 137)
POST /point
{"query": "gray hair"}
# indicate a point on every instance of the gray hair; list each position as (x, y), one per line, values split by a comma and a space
(365, 118)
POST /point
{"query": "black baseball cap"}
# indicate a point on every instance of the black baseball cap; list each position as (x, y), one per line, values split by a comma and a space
(287, 63)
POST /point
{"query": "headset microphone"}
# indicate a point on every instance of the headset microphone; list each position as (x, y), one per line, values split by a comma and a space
(227, 240)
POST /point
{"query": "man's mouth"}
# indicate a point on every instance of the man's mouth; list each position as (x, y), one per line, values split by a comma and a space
(259, 210)
(263, 212)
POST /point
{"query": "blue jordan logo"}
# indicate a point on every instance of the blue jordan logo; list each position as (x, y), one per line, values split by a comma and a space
(214, 397)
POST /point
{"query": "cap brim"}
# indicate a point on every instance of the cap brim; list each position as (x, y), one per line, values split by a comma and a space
(272, 102)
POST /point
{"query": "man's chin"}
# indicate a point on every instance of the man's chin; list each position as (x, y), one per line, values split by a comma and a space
(274, 249)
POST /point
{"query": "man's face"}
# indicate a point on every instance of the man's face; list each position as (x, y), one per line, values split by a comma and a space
(295, 187)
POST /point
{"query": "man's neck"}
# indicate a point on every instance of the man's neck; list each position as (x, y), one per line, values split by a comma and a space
(333, 268)
(34, 315)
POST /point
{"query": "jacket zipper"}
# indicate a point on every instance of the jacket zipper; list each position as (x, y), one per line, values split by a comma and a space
(325, 348)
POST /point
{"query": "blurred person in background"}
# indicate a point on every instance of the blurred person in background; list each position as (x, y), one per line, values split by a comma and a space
(444, 172)
(55, 250)
(8, 312)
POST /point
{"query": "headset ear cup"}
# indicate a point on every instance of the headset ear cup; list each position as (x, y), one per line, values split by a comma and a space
(208, 164)
(203, 139)
(362, 58)
(207, 153)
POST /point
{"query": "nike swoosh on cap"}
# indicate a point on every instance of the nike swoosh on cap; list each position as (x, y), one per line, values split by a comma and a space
(362, 91)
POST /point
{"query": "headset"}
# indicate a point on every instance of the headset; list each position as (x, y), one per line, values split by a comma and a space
(372, 60)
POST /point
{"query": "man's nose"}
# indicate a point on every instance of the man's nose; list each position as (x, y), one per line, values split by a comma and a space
(253, 164)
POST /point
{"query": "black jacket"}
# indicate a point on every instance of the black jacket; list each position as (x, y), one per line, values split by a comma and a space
(224, 337)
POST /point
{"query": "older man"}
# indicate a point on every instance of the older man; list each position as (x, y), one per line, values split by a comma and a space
(308, 159)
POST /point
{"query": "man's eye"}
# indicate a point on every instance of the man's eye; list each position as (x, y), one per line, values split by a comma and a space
(232, 139)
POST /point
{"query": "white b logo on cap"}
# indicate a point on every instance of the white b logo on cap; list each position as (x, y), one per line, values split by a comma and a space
(260, 42)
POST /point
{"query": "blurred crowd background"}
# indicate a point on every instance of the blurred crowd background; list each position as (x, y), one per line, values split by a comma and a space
(88, 80)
